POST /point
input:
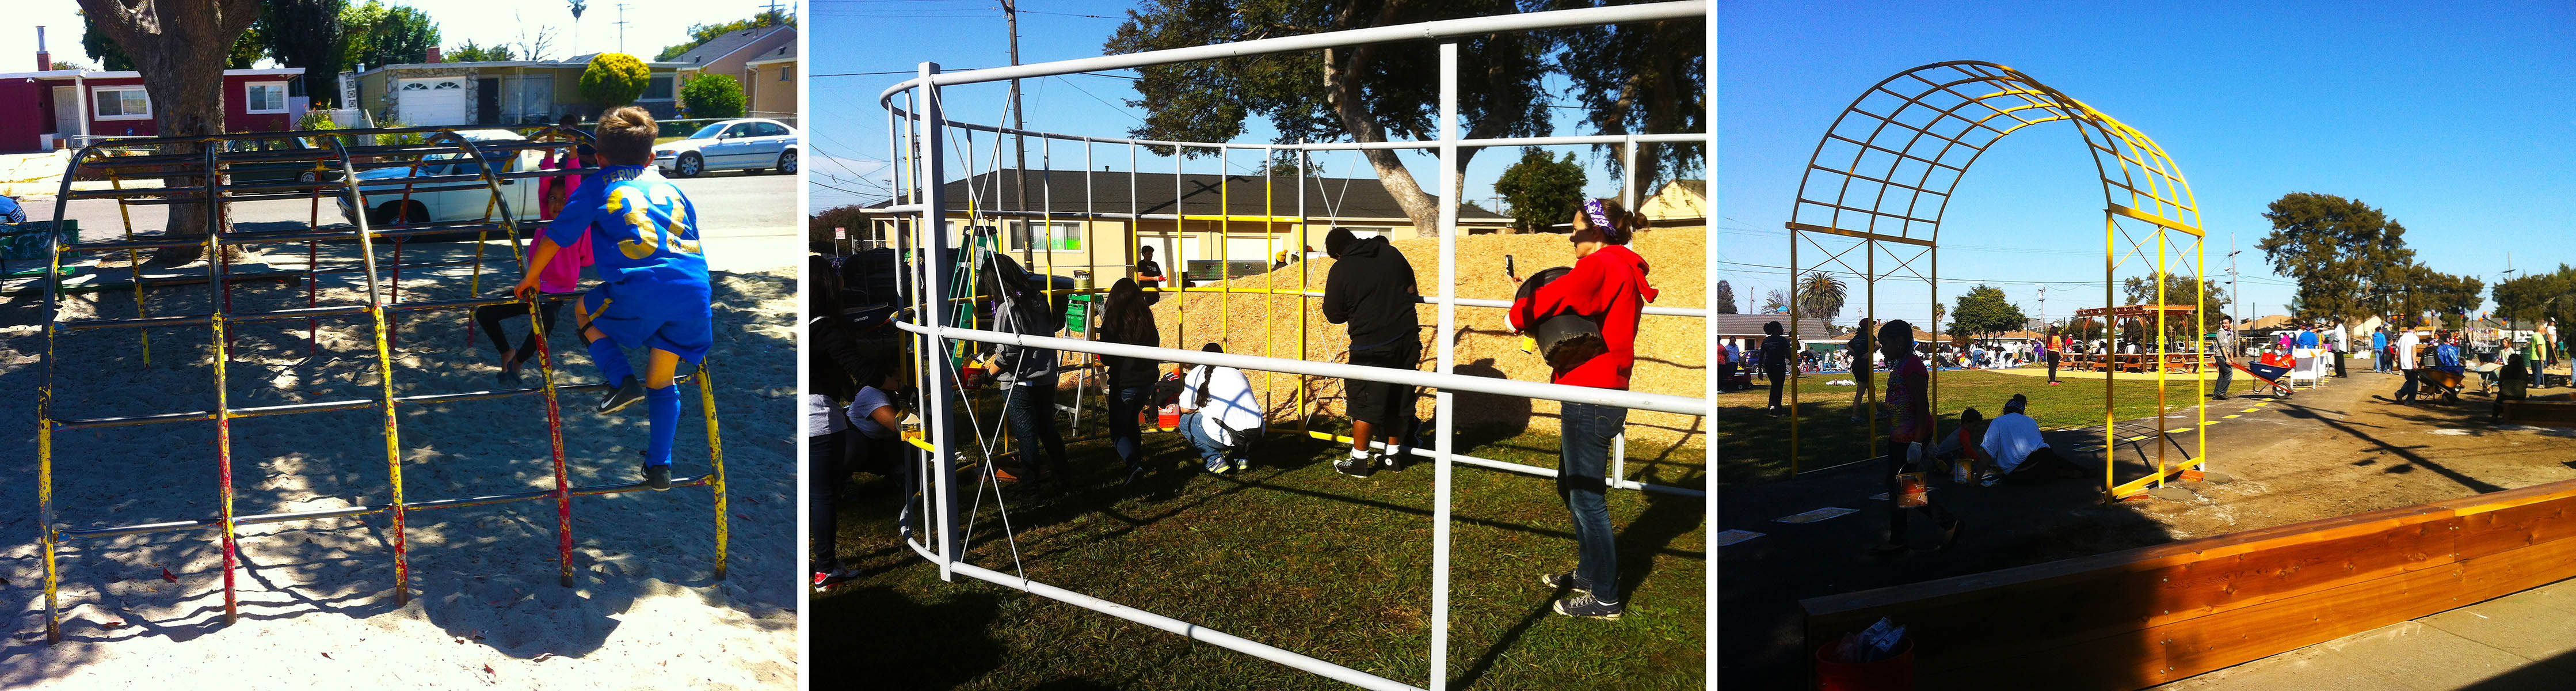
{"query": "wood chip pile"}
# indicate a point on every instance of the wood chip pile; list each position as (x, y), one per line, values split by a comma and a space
(1669, 349)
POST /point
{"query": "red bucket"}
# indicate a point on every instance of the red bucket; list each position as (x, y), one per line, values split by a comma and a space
(1169, 418)
(1894, 673)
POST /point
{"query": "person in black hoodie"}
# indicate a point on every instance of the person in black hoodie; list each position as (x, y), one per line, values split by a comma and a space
(1371, 289)
(1775, 361)
(1124, 318)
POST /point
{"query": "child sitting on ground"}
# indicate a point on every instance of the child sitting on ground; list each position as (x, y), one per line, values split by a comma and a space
(653, 292)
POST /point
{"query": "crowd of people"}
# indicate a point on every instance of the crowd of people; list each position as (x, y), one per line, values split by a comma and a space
(854, 408)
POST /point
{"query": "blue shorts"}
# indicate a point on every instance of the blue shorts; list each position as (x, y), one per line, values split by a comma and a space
(685, 332)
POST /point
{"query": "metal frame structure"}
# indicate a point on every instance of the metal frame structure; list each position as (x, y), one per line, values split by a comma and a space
(336, 165)
(919, 139)
(1883, 174)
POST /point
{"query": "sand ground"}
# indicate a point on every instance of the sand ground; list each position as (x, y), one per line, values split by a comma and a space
(316, 597)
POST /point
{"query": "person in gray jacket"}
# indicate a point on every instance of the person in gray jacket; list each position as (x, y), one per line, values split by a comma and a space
(2226, 338)
(1028, 377)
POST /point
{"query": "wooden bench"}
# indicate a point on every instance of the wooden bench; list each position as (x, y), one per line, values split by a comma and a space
(2147, 616)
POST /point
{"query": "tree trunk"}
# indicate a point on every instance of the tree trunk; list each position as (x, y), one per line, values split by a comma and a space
(180, 47)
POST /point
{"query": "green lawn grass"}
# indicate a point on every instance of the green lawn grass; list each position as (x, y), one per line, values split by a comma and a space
(1289, 554)
(1755, 447)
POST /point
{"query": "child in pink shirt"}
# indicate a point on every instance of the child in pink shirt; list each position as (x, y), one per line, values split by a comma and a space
(562, 276)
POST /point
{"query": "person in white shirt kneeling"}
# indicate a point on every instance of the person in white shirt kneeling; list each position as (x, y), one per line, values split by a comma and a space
(1219, 414)
(2013, 441)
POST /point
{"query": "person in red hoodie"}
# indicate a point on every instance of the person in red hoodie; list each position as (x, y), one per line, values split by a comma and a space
(1607, 285)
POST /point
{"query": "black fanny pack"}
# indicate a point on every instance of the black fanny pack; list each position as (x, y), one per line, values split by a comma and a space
(1564, 340)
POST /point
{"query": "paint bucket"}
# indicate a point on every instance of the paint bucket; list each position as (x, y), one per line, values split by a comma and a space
(1892, 673)
(1169, 418)
(971, 377)
(1912, 490)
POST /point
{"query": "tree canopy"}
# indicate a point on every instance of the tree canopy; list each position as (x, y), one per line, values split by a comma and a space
(475, 53)
(2340, 252)
(2535, 297)
(1542, 190)
(246, 49)
(700, 34)
(2418, 289)
(1775, 302)
(1984, 310)
(306, 34)
(1820, 296)
(1365, 93)
(380, 35)
(614, 79)
(1640, 78)
(712, 96)
(1725, 298)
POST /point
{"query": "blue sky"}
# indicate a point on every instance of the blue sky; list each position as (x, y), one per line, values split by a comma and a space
(849, 128)
(2458, 121)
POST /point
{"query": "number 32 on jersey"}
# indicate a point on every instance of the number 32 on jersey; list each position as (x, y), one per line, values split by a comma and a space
(633, 201)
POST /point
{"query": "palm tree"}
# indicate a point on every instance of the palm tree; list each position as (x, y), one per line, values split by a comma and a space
(1820, 296)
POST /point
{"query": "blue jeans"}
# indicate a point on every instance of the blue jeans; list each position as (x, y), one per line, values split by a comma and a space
(1196, 431)
(1031, 414)
(1125, 432)
(1583, 442)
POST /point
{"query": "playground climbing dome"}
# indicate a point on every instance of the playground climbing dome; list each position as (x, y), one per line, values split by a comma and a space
(937, 280)
(312, 167)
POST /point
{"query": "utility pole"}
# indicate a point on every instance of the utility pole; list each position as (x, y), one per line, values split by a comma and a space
(2232, 290)
(621, 27)
(1020, 174)
(2043, 304)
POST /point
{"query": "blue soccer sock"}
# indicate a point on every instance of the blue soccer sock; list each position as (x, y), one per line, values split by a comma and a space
(663, 404)
(612, 362)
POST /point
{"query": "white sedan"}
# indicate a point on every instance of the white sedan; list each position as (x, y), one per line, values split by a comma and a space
(745, 144)
(391, 200)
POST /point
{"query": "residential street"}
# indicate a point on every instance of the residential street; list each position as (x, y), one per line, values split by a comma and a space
(750, 221)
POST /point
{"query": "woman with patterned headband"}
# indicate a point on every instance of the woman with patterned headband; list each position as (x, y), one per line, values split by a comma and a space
(1607, 285)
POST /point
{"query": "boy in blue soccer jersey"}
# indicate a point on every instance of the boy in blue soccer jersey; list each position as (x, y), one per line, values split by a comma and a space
(653, 290)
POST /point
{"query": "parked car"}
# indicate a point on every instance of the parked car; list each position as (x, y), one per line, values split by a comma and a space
(746, 144)
(387, 203)
(298, 171)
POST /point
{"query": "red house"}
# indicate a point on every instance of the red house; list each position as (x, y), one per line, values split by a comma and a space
(54, 107)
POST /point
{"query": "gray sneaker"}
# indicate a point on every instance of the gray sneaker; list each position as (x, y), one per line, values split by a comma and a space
(626, 394)
(1565, 581)
(1589, 607)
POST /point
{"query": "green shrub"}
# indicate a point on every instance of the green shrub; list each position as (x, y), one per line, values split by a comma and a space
(614, 79)
(713, 96)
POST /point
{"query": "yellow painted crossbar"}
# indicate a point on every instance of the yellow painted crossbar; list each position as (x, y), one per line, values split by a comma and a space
(2139, 486)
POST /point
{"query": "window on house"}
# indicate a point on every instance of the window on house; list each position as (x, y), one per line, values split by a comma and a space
(1058, 236)
(659, 88)
(264, 98)
(121, 104)
(786, 72)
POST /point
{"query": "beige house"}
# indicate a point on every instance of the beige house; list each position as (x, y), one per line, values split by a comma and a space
(753, 58)
(1201, 220)
(1679, 203)
(769, 85)
(513, 92)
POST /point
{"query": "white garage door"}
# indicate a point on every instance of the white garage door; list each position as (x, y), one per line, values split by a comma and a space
(434, 101)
